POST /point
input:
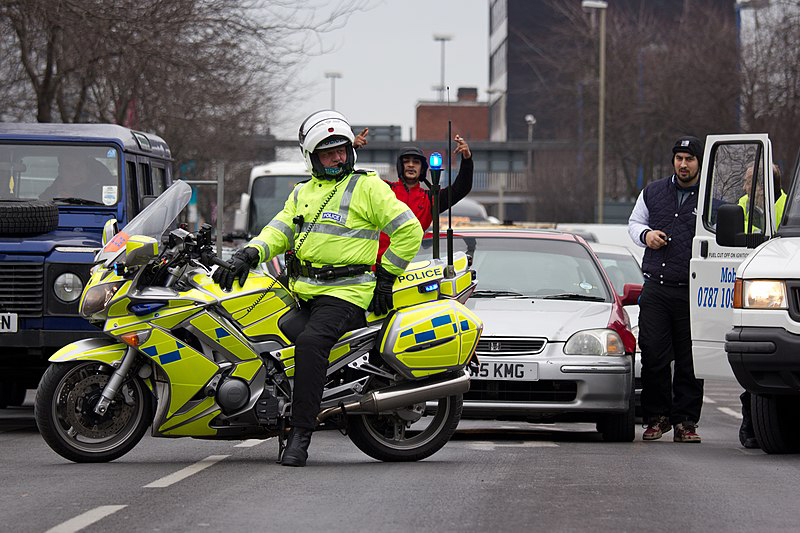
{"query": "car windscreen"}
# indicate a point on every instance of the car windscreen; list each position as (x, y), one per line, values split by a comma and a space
(529, 267)
(267, 197)
(621, 269)
(75, 174)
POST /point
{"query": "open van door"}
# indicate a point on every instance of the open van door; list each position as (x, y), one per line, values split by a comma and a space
(721, 242)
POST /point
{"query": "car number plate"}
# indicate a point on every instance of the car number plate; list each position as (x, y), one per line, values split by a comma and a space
(503, 370)
(8, 322)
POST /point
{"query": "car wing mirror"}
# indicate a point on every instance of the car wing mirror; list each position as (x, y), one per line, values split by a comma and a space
(631, 293)
(110, 228)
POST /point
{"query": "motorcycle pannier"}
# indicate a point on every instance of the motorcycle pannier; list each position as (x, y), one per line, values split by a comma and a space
(426, 339)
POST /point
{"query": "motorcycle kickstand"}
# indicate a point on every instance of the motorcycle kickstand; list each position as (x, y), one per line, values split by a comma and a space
(281, 441)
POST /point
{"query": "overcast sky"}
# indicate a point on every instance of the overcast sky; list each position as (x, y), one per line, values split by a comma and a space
(388, 61)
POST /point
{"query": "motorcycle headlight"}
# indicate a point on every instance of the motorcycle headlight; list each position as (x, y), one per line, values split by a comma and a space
(764, 294)
(595, 342)
(97, 297)
(68, 287)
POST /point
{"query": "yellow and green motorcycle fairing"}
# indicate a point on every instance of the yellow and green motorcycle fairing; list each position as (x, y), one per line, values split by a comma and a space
(207, 348)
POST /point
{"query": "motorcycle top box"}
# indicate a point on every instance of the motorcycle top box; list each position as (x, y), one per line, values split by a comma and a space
(181, 355)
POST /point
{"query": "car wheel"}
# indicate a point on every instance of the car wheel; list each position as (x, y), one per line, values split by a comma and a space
(620, 427)
(775, 422)
(11, 394)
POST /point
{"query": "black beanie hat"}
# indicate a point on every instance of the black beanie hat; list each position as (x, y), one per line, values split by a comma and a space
(689, 145)
(414, 152)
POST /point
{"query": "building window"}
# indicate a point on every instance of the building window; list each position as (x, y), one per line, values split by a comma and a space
(497, 14)
(497, 63)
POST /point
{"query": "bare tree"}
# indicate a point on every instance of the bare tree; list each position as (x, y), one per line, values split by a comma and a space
(204, 74)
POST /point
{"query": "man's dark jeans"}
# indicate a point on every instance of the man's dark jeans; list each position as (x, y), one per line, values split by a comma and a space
(329, 319)
(665, 336)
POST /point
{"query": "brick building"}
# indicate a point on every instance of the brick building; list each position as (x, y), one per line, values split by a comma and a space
(470, 118)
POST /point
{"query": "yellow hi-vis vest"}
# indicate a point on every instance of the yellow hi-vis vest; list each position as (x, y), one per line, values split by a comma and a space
(346, 233)
(744, 201)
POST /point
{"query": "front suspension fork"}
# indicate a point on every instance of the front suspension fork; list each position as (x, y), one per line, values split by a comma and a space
(111, 388)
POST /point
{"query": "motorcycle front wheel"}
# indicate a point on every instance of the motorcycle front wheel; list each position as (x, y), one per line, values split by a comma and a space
(409, 435)
(64, 410)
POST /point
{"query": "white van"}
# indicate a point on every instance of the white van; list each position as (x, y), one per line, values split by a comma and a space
(745, 285)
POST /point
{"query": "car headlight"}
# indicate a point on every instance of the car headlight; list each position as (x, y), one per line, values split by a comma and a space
(595, 342)
(97, 297)
(68, 287)
(764, 294)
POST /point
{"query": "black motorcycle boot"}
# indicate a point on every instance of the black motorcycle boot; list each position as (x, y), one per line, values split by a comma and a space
(296, 452)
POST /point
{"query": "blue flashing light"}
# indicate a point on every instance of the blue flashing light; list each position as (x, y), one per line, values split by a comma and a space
(142, 309)
(429, 287)
(436, 161)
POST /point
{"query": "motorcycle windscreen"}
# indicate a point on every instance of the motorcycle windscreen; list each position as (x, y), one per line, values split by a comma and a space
(153, 221)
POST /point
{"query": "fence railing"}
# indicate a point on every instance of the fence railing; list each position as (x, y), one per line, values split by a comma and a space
(496, 181)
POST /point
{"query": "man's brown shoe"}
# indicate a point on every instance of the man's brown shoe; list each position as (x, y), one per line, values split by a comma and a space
(656, 428)
(686, 432)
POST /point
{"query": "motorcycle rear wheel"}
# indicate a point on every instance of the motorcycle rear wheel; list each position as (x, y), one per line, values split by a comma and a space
(384, 437)
(64, 411)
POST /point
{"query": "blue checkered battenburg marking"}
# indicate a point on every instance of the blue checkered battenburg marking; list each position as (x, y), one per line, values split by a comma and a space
(169, 357)
(221, 332)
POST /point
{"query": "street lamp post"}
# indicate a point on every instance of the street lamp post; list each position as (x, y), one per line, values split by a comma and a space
(333, 76)
(601, 6)
(443, 39)
(531, 120)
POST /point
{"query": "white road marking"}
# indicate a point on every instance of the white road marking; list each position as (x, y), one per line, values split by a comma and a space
(86, 519)
(488, 446)
(182, 474)
(706, 399)
(729, 411)
(249, 443)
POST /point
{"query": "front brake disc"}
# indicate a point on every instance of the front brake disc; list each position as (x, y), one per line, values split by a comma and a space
(80, 414)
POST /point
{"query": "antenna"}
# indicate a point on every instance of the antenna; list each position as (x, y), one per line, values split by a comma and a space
(435, 164)
(450, 270)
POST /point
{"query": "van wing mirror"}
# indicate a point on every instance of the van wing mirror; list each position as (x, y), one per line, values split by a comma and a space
(110, 228)
(730, 226)
(631, 293)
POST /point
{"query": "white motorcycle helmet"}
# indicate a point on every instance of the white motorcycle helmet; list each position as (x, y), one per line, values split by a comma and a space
(326, 129)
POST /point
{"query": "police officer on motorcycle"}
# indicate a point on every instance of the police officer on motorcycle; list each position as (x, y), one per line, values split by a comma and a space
(329, 229)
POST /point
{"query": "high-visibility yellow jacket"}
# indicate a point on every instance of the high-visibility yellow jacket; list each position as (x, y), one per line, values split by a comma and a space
(744, 201)
(361, 206)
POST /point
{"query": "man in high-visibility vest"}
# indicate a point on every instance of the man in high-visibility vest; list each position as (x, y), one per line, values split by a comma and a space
(340, 212)
(779, 196)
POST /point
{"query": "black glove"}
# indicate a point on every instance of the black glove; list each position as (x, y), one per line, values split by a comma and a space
(240, 264)
(382, 297)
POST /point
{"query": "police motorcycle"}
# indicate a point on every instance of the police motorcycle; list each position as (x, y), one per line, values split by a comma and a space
(190, 360)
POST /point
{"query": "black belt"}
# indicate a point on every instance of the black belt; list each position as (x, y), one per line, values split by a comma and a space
(651, 279)
(330, 272)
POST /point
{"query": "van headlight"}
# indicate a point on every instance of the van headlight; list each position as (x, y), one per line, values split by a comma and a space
(764, 294)
(595, 342)
(68, 287)
(97, 297)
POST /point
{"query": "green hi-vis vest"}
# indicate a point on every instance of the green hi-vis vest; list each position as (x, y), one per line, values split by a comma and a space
(744, 201)
(346, 233)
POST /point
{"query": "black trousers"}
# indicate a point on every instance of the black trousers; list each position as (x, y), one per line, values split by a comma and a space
(665, 336)
(329, 319)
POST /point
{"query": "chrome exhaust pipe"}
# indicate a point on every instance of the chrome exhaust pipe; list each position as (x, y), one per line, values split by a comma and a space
(408, 393)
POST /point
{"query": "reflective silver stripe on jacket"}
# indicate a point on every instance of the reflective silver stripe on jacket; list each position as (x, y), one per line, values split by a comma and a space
(398, 221)
(356, 280)
(264, 247)
(283, 228)
(330, 229)
(394, 259)
(347, 195)
(297, 191)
